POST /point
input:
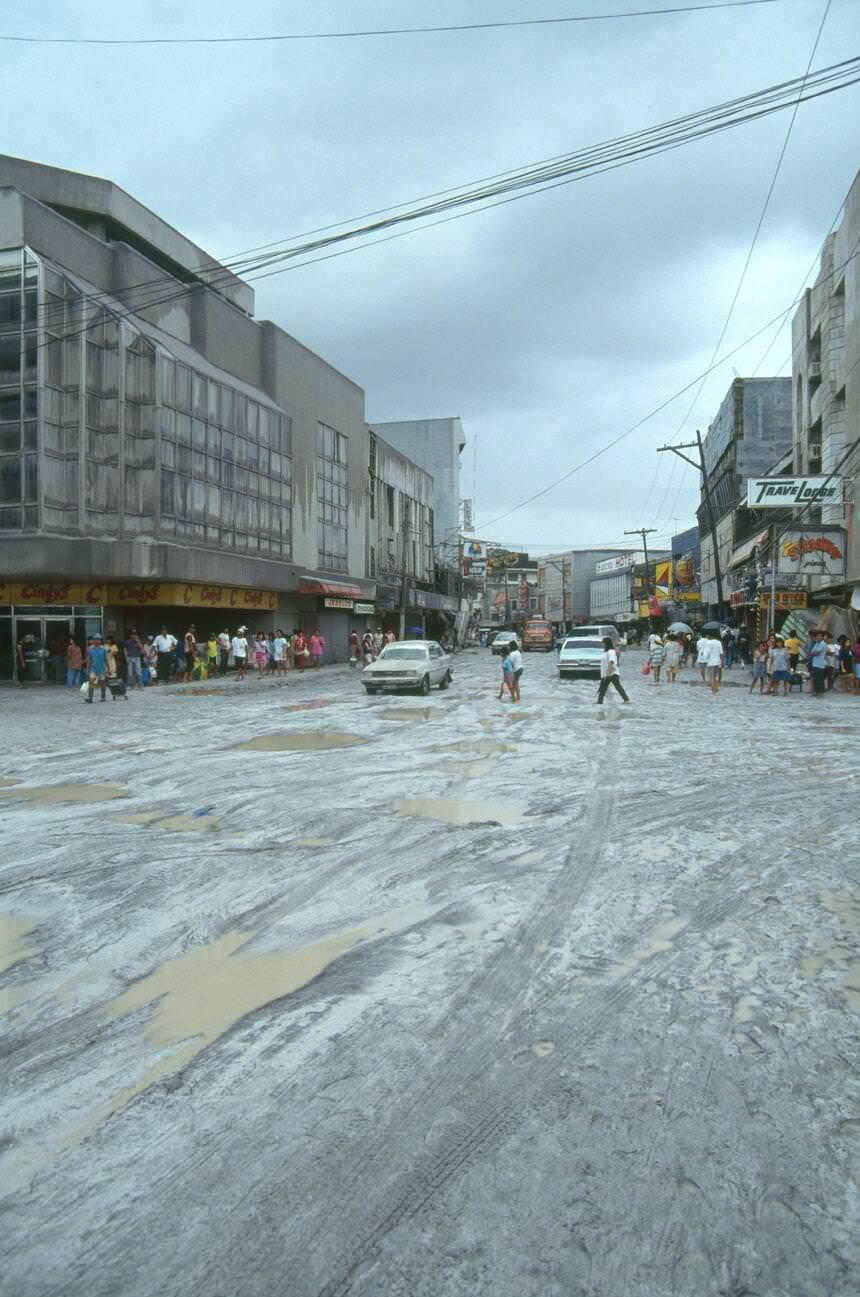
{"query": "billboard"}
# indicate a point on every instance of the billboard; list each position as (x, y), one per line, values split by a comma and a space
(619, 563)
(786, 492)
(815, 551)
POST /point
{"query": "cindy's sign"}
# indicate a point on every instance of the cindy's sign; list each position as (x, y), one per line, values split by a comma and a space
(787, 492)
(819, 551)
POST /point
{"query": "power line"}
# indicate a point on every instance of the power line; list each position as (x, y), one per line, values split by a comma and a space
(761, 219)
(537, 177)
(378, 31)
(651, 413)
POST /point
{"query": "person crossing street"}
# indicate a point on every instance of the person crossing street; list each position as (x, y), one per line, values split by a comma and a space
(609, 673)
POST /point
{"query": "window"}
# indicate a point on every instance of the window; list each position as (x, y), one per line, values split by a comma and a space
(389, 497)
(332, 535)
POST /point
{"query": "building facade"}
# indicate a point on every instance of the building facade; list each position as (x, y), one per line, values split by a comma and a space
(436, 446)
(400, 553)
(826, 387)
(164, 457)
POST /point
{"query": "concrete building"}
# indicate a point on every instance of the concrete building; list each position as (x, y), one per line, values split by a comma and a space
(511, 592)
(400, 536)
(163, 455)
(751, 430)
(436, 446)
(826, 386)
(565, 584)
(622, 584)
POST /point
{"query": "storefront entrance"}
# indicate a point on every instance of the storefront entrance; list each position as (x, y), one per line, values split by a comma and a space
(44, 633)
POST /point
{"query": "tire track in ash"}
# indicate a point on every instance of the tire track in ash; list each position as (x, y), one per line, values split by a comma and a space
(368, 1201)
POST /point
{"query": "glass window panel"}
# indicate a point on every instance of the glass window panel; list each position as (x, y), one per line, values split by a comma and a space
(183, 497)
(31, 355)
(10, 437)
(168, 454)
(253, 419)
(31, 306)
(183, 429)
(226, 407)
(31, 516)
(54, 438)
(10, 360)
(213, 468)
(198, 465)
(10, 405)
(213, 503)
(214, 404)
(183, 387)
(199, 394)
(30, 437)
(253, 452)
(228, 445)
(198, 500)
(168, 424)
(228, 473)
(10, 519)
(198, 434)
(167, 380)
(227, 513)
(31, 476)
(183, 459)
(10, 479)
(168, 497)
(10, 311)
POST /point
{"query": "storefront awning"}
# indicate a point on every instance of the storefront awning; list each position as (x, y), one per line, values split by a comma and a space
(339, 589)
(745, 551)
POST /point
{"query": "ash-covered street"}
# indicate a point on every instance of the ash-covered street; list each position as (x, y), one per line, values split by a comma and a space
(317, 995)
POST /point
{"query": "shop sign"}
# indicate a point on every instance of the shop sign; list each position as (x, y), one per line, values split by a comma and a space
(819, 551)
(786, 492)
(338, 603)
(737, 598)
(784, 598)
(619, 563)
(52, 593)
(137, 594)
(363, 609)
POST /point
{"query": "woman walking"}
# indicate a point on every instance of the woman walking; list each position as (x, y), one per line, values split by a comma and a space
(656, 657)
(609, 672)
(759, 673)
(674, 655)
(261, 654)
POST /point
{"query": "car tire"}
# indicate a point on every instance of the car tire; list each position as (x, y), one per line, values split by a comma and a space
(424, 687)
(445, 681)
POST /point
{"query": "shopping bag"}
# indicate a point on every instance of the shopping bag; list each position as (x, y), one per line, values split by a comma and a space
(646, 668)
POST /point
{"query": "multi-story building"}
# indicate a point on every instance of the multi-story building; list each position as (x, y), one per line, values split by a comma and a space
(565, 584)
(400, 539)
(826, 385)
(751, 430)
(436, 446)
(623, 583)
(511, 593)
(164, 457)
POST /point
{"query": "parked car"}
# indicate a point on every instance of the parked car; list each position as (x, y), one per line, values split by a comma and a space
(499, 645)
(579, 657)
(599, 631)
(408, 664)
(537, 634)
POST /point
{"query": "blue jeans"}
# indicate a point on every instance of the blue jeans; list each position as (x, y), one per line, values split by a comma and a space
(133, 670)
(73, 678)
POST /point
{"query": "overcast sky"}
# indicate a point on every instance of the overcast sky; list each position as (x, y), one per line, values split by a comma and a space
(549, 325)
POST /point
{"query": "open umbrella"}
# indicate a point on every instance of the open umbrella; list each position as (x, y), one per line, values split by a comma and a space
(680, 628)
(713, 625)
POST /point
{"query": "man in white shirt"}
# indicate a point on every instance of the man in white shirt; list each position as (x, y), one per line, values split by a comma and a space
(239, 649)
(701, 656)
(279, 650)
(609, 672)
(165, 645)
(713, 656)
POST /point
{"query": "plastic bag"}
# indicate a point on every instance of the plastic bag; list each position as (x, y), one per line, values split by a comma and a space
(646, 668)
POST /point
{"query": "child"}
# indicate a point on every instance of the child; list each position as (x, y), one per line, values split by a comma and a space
(507, 674)
(759, 667)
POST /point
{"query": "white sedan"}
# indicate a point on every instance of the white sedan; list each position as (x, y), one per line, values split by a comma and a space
(408, 664)
(580, 657)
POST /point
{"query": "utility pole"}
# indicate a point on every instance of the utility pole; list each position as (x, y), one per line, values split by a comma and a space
(709, 510)
(643, 532)
(404, 582)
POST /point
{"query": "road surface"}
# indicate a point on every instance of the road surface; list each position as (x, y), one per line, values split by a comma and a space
(317, 995)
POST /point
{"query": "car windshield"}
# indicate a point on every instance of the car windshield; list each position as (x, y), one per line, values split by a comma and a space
(412, 654)
(504, 638)
(583, 644)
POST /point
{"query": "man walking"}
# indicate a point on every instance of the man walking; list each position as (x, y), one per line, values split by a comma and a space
(96, 668)
(713, 661)
(609, 673)
(223, 651)
(816, 660)
(133, 651)
(239, 646)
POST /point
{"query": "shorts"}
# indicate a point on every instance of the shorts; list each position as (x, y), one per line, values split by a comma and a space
(780, 675)
(518, 673)
(759, 671)
(714, 673)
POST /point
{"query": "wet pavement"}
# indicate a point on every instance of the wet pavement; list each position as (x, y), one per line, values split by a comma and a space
(538, 1001)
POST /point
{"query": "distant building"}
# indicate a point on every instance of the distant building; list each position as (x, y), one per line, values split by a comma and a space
(565, 581)
(435, 445)
(751, 430)
(622, 584)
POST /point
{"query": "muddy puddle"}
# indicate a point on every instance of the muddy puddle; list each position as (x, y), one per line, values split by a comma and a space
(51, 793)
(453, 810)
(659, 941)
(312, 705)
(8, 783)
(469, 769)
(406, 713)
(16, 947)
(301, 741)
(169, 823)
(839, 956)
(190, 1002)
